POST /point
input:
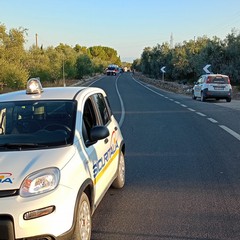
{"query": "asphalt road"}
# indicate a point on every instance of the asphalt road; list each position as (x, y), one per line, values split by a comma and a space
(182, 167)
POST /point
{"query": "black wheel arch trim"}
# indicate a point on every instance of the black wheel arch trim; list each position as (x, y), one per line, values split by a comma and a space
(121, 149)
(122, 146)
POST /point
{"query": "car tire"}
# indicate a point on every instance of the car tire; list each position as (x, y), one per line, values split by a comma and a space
(193, 96)
(120, 179)
(203, 99)
(83, 224)
(228, 99)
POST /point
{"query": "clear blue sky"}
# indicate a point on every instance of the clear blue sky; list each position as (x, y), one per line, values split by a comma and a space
(128, 26)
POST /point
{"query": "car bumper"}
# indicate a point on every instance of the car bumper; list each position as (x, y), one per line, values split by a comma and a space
(111, 73)
(217, 94)
(51, 226)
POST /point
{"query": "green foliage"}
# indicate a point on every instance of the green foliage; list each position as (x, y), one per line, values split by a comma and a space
(50, 64)
(38, 64)
(84, 66)
(137, 64)
(186, 60)
(12, 76)
(12, 57)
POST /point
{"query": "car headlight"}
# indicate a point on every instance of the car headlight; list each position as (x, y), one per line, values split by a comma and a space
(39, 182)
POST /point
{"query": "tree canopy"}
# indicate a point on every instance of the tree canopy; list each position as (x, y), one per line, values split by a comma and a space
(17, 65)
(186, 60)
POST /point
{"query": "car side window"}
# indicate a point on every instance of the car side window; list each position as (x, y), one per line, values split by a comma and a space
(89, 119)
(2, 121)
(103, 108)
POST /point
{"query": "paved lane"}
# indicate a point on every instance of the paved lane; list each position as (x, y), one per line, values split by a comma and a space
(183, 170)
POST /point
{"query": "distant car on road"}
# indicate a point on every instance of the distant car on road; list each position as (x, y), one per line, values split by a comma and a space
(112, 70)
(216, 86)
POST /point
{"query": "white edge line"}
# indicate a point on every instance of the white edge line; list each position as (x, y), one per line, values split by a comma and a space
(121, 102)
(95, 81)
(230, 131)
(148, 87)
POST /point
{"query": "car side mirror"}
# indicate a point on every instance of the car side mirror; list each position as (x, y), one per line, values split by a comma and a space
(97, 133)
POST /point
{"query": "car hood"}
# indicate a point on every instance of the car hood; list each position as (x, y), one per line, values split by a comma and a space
(16, 166)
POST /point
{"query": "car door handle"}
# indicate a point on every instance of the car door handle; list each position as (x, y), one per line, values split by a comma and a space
(106, 140)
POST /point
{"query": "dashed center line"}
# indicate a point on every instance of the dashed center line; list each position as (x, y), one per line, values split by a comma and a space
(212, 120)
(230, 131)
(183, 105)
(201, 114)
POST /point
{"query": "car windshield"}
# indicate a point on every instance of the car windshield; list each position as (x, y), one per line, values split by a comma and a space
(111, 68)
(36, 124)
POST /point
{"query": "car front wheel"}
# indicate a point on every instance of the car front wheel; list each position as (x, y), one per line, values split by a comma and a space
(193, 96)
(202, 97)
(83, 225)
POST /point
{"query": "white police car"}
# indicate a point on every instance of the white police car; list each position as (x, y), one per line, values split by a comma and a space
(60, 151)
(212, 86)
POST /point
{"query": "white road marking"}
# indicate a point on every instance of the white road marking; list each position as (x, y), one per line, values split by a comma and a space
(121, 102)
(212, 120)
(230, 131)
(95, 81)
(201, 114)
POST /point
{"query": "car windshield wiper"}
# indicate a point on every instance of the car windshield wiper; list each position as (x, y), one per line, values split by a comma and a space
(20, 146)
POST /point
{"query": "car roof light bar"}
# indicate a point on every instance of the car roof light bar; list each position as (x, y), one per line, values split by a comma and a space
(34, 86)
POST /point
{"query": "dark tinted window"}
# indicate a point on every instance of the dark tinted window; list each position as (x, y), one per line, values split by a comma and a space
(102, 107)
(40, 123)
(89, 119)
(218, 79)
(111, 68)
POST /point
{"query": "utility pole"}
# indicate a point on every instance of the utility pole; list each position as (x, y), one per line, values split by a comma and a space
(36, 36)
(63, 73)
(171, 41)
